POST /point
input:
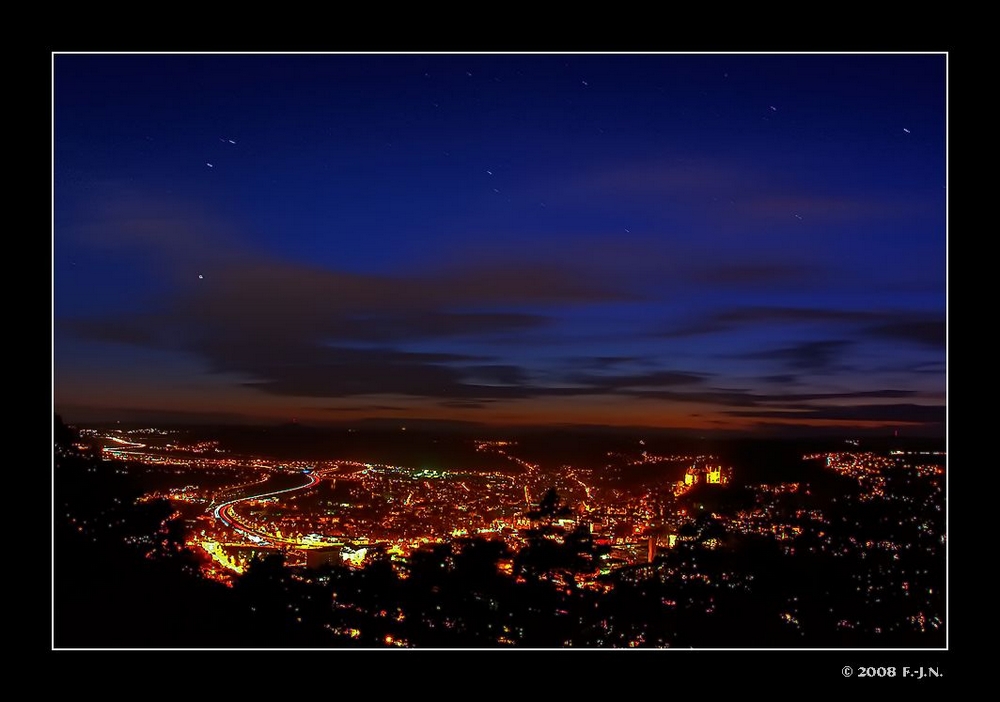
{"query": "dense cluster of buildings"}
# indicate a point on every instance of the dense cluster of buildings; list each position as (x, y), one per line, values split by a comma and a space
(342, 512)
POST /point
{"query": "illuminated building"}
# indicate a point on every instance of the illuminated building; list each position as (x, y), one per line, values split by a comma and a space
(353, 556)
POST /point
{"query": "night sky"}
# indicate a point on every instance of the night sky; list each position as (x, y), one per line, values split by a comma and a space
(689, 241)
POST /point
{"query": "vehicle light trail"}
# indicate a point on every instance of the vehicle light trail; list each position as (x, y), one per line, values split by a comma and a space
(226, 513)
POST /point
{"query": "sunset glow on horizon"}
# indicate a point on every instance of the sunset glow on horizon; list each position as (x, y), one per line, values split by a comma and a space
(731, 243)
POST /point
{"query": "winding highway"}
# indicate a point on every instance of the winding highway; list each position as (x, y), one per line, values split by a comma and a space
(226, 512)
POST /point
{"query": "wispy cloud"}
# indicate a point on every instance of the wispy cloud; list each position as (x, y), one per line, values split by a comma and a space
(810, 356)
(901, 413)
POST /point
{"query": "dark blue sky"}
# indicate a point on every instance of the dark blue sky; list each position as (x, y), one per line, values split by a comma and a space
(693, 241)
